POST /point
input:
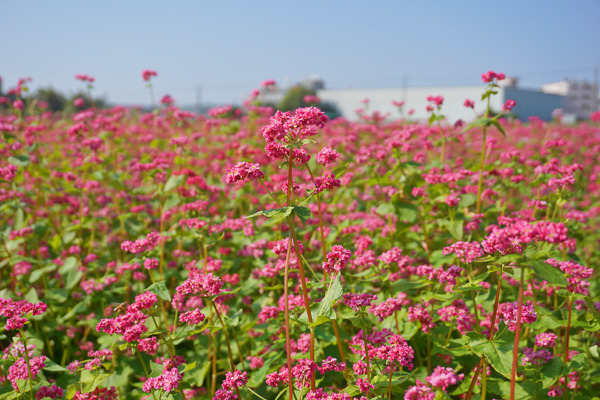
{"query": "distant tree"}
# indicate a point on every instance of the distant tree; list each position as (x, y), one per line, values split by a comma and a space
(295, 99)
(55, 100)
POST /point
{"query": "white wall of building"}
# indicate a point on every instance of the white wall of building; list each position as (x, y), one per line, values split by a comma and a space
(349, 100)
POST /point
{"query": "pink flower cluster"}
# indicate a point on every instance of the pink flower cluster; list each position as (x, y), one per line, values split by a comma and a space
(337, 259)
(16, 312)
(168, 380)
(508, 311)
(98, 394)
(19, 370)
(243, 170)
(576, 274)
(49, 391)
(204, 285)
(147, 74)
(536, 358)
(193, 317)
(465, 251)
(443, 377)
(141, 245)
(388, 307)
(357, 300)
(327, 156)
(545, 339)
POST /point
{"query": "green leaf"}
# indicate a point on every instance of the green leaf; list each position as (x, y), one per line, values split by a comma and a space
(385, 208)
(455, 228)
(52, 366)
(499, 351)
(171, 202)
(71, 390)
(69, 272)
(498, 126)
(20, 160)
(551, 371)
(406, 211)
(466, 200)
(274, 213)
(323, 310)
(19, 219)
(339, 171)
(37, 274)
(160, 289)
(173, 182)
(90, 380)
(431, 119)
(302, 212)
(547, 272)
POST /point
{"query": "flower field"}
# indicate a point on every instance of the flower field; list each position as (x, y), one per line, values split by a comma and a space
(260, 254)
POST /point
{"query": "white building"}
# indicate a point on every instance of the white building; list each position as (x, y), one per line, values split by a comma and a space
(529, 102)
(581, 98)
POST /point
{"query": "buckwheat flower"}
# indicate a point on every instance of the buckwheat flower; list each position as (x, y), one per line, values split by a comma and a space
(150, 263)
(203, 285)
(143, 301)
(235, 379)
(509, 314)
(243, 170)
(74, 366)
(465, 251)
(356, 300)
(419, 392)
(148, 345)
(303, 371)
(536, 358)
(555, 391)
(491, 75)
(93, 364)
(509, 105)
(98, 394)
(469, 103)
(268, 82)
(422, 315)
(19, 370)
(545, 339)
(141, 245)
(326, 182)
(268, 313)
(364, 385)
(331, 364)
(317, 394)
(273, 379)
(192, 317)
(337, 259)
(452, 199)
(147, 74)
(388, 307)
(327, 156)
(360, 368)
(18, 104)
(443, 377)
(49, 391)
(255, 362)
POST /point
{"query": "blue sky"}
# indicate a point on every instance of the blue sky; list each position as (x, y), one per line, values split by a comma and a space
(228, 47)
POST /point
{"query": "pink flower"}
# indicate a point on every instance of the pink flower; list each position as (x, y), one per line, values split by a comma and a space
(194, 317)
(469, 103)
(545, 339)
(364, 385)
(148, 345)
(509, 105)
(235, 379)
(147, 74)
(443, 377)
(268, 82)
(327, 156)
(242, 171)
(79, 102)
(337, 259)
(357, 300)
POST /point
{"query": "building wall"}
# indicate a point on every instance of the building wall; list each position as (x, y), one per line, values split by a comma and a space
(580, 96)
(528, 102)
(533, 103)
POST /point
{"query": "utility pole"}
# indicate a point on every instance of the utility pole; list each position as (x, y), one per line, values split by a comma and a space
(198, 98)
(595, 90)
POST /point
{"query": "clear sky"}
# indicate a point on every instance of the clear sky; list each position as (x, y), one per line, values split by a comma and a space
(228, 47)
